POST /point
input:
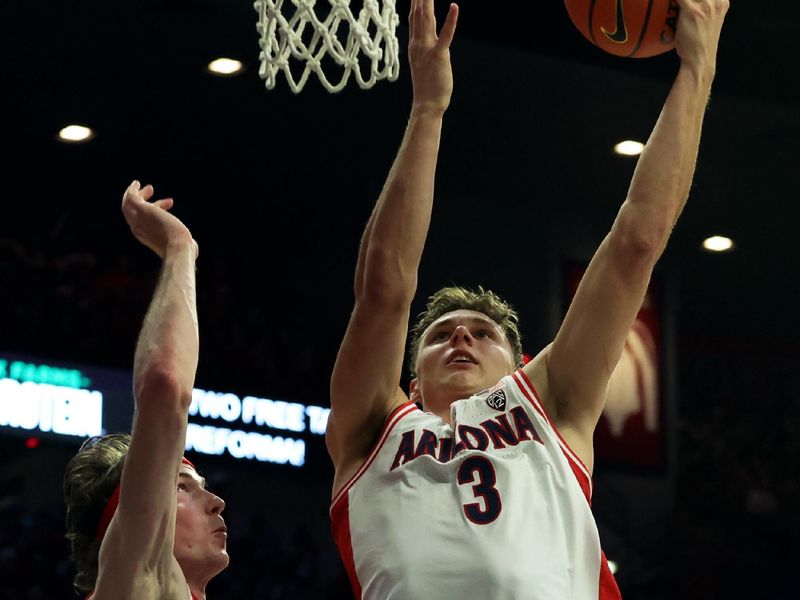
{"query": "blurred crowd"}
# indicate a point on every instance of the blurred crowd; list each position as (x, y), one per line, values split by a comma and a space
(86, 306)
(738, 488)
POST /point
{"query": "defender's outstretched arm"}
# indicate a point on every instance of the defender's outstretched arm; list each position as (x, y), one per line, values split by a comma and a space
(137, 552)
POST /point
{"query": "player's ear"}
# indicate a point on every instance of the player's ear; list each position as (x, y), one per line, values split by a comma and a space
(414, 393)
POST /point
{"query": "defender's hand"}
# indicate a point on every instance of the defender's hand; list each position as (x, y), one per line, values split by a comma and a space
(429, 56)
(151, 223)
(698, 31)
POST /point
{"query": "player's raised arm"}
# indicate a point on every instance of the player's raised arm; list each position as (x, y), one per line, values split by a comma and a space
(364, 384)
(591, 339)
(138, 547)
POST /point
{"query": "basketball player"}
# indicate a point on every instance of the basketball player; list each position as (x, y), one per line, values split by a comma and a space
(484, 493)
(141, 523)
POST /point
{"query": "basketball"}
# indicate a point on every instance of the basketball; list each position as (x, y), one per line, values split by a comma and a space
(629, 28)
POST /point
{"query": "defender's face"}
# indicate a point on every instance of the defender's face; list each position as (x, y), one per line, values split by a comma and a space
(465, 351)
(200, 532)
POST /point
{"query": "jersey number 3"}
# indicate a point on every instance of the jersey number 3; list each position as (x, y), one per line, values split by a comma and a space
(481, 469)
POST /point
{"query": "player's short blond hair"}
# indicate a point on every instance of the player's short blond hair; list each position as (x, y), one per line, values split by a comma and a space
(89, 481)
(454, 298)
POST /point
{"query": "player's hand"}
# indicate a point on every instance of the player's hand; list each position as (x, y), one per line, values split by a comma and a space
(429, 56)
(698, 31)
(151, 223)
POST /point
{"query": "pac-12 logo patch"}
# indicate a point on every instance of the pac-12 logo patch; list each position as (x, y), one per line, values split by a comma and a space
(497, 400)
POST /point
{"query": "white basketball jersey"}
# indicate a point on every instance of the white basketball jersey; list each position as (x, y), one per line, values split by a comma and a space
(493, 507)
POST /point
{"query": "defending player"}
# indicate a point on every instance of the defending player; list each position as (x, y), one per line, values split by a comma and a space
(486, 493)
(141, 523)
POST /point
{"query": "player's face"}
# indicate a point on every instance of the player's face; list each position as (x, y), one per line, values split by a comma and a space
(200, 532)
(465, 351)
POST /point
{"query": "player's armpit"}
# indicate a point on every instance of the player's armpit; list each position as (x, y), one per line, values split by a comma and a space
(347, 463)
(576, 433)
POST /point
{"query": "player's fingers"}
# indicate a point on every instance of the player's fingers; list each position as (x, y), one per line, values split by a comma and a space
(147, 192)
(427, 22)
(413, 18)
(449, 27)
(165, 203)
(129, 191)
(128, 207)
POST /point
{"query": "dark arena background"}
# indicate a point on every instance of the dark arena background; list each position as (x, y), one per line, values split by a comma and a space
(697, 492)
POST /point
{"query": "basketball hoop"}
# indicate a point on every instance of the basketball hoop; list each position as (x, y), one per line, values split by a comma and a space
(338, 41)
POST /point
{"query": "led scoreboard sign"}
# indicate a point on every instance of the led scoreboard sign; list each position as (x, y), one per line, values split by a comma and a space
(38, 397)
(70, 402)
(231, 411)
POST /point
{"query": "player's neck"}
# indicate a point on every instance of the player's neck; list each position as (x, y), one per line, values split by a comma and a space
(439, 404)
(197, 580)
(442, 413)
(198, 591)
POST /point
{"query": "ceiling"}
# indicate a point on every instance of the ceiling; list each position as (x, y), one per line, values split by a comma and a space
(280, 184)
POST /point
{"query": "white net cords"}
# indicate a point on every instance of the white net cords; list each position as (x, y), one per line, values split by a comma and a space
(281, 42)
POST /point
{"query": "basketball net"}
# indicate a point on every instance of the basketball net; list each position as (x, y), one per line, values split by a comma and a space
(365, 46)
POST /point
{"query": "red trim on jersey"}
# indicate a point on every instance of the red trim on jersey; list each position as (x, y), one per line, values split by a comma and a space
(608, 585)
(392, 420)
(576, 464)
(340, 519)
(340, 505)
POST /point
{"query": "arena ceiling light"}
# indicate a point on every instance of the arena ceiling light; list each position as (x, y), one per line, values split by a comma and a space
(75, 134)
(225, 66)
(629, 148)
(718, 243)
